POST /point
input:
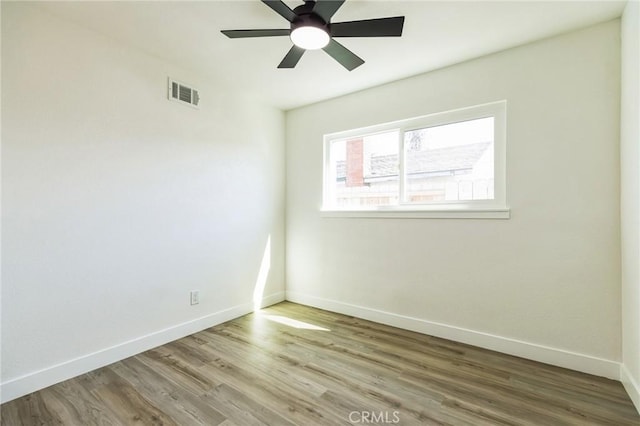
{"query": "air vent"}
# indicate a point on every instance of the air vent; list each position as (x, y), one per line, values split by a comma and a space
(183, 93)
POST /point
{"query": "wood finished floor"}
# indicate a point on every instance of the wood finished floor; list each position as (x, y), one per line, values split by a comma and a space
(295, 365)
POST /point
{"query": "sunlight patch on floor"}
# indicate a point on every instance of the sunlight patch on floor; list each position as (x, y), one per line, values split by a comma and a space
(293, 323)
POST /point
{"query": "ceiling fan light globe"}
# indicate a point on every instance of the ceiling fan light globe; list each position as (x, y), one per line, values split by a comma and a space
(310, 37)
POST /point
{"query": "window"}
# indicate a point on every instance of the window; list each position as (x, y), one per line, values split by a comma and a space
(449, 164)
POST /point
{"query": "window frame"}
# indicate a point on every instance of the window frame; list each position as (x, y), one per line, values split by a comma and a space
(496, 208)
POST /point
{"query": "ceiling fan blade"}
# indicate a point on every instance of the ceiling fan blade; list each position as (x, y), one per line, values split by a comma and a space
(254, 33)
(292, 58)
(347, 58)
(281, 9)
(327, 8)
(381, 27)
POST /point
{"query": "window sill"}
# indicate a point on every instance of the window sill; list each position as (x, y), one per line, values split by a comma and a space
(413, 213)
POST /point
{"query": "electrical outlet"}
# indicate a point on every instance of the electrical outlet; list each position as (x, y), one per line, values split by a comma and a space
(195, 297)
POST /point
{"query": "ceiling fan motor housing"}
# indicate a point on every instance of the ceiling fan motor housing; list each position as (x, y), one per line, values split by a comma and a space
(306, 18)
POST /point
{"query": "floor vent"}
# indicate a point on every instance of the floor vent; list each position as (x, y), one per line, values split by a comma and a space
(183, 93)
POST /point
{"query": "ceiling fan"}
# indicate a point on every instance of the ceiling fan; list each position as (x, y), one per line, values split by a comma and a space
(311, 28)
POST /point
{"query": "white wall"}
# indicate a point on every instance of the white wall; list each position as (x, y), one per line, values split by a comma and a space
(544, 284)
(630, 196)
(118, 202)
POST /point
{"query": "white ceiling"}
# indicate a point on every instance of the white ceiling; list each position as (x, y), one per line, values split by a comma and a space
(436, 34)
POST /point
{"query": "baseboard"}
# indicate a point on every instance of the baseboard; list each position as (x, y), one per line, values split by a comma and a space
(548, 355)
(630, 385)
(37, 380)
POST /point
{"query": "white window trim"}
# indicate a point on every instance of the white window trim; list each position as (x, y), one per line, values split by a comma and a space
(478, 209)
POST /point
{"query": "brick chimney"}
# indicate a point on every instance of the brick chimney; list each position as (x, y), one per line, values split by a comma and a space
(355, 162)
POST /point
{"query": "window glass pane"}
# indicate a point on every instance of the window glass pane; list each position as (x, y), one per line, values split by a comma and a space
(363, 171)
(452, 162)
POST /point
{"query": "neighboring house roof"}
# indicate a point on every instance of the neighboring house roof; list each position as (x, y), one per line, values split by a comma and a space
(432, 162)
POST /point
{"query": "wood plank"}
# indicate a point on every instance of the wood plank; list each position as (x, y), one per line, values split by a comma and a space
(181, 405)
(130, 407)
